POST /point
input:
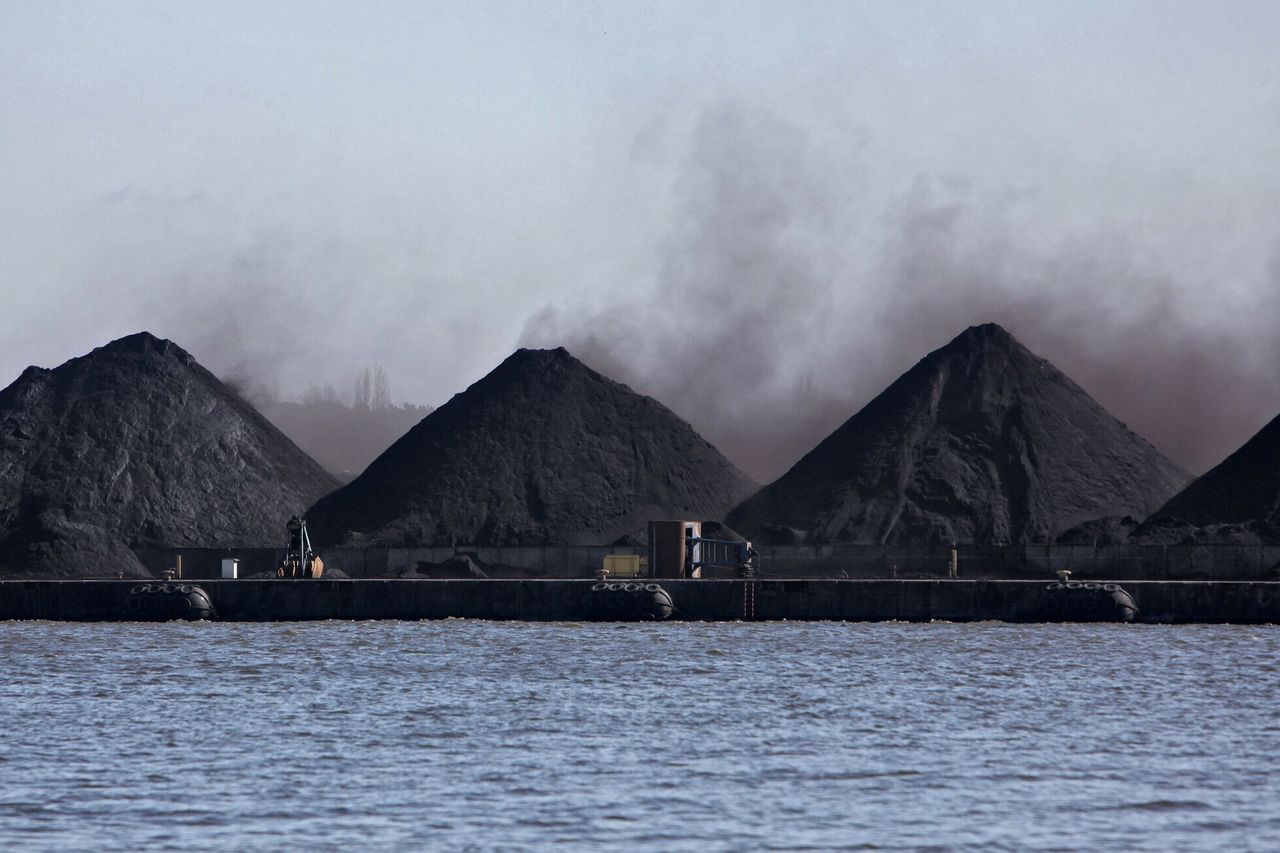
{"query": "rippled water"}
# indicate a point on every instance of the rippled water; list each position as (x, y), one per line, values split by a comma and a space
(703, 737)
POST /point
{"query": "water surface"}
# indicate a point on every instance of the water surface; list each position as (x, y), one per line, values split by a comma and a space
(787, 736)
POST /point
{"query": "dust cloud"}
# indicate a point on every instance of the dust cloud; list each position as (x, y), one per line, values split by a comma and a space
(789, 292)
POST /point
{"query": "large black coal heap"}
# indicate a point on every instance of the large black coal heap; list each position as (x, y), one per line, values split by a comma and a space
(136, 444)
(1242, 489)
(541, 451)
(981, 441)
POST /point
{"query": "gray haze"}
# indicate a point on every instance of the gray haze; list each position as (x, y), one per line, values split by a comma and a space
(760, 214)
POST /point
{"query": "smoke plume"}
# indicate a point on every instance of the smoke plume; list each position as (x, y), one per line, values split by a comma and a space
(790, 291)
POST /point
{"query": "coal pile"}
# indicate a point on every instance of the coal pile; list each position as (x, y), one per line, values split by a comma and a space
(1242, 490)
(1111, 530)
(1162, 529)
(137, 445)
(982, 441)
(465, 567)
(542, 451)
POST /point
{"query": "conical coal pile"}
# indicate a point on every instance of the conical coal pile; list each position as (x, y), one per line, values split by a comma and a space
(1243, 489)
(541, 451)
(982, 441)
(136, 445)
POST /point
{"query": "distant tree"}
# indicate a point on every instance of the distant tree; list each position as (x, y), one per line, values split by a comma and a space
(364, 389)
(312, 395)
(316, 396)
(381, 388)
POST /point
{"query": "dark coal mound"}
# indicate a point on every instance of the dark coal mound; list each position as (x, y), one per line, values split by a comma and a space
(1161, 529)
(541, 451)
(1112, 530)
(135, 444)
(982, 441)
(53, 553)
(1244, 489)
(460, 566)
(465, 567)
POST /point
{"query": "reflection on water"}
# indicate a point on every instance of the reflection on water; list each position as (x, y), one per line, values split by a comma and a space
(675, 737)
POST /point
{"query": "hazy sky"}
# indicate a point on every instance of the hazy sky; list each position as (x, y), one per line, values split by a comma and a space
(759, 213)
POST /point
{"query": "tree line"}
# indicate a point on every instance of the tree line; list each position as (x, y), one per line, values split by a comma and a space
(372, 391)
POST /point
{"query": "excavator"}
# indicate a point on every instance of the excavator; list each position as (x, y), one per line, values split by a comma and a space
(299, 560)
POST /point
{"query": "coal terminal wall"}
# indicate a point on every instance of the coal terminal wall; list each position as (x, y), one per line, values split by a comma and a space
(1110, 562)
(1167, 602)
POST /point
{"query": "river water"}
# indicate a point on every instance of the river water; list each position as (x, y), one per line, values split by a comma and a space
(706, 737)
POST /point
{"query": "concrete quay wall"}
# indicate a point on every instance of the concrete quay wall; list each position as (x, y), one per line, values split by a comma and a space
(1241, 602)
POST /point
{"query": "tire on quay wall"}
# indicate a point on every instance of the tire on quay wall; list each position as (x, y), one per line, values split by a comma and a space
(167, 602)
(1086, 602)
(627, 602)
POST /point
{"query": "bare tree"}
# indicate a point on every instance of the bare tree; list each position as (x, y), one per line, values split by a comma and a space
(364, 389)
(381, 388)
(315, 395)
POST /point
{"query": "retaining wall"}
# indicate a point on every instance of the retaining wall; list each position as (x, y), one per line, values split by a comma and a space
(705, 600)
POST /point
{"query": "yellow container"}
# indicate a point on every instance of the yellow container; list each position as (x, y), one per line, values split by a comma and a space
(624, 565)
